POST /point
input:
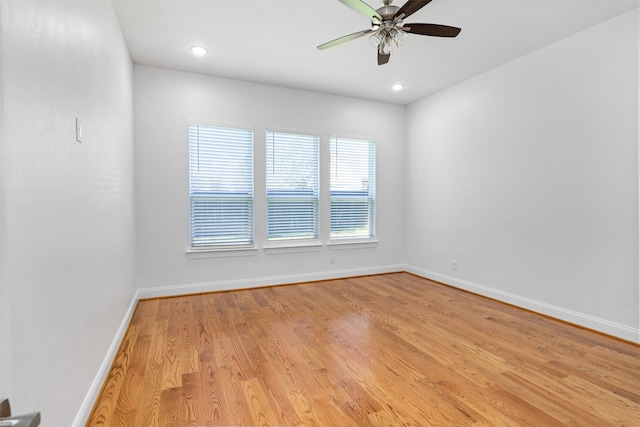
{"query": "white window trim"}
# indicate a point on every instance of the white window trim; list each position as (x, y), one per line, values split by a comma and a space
(284, 247)
(352, 243)
(221, 252)
(293, 246)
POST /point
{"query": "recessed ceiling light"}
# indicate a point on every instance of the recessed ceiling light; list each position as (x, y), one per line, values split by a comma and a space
(198, 50)
(397, 87)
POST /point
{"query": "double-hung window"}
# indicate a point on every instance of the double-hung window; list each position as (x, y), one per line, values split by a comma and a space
(292, 186)
(220, 185)
(353, 189)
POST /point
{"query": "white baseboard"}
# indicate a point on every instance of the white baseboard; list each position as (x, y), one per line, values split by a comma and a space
(581, 319)
(227, 285)
(87, 405)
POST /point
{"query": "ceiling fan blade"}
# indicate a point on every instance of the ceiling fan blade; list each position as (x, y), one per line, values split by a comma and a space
(363, 8)
(344, 39)
(432, 30)
(383, 59)
(411, 7)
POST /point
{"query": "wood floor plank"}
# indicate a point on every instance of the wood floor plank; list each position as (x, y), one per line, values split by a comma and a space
(551, 404)
(127, 405)
(391, 349)
(107, 402)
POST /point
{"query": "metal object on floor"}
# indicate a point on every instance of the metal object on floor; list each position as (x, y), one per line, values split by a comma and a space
(26, 420)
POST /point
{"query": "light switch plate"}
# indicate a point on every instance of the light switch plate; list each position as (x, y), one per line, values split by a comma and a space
(78, 130)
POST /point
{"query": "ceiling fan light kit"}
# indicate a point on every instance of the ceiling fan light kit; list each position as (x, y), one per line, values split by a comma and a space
(388, 27)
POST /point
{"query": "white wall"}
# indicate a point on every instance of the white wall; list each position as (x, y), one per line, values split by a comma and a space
(68, 217)
(638, 28)
(164, 103)
(5, 318)
(527, 176)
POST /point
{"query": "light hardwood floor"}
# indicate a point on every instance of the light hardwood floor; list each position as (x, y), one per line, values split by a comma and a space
(382, 350)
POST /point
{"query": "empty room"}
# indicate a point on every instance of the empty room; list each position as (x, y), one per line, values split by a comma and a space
(319, 212)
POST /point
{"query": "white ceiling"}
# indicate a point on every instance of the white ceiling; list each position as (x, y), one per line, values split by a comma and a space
(274, 41)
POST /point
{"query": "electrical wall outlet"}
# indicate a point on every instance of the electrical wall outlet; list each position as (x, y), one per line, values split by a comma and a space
(454, 265)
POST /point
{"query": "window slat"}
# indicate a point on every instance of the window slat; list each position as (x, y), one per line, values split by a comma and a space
(221, 185)
(352, 188)
(292, 186)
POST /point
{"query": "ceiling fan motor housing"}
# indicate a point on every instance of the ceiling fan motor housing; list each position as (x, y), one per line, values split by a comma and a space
(387, 12)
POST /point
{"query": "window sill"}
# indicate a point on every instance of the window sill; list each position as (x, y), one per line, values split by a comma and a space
(292, 247)
(222, 252)
(338, 245)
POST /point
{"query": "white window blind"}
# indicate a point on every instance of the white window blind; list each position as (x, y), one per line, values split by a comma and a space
(353, 194)
(220, 185)
(292, 186)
